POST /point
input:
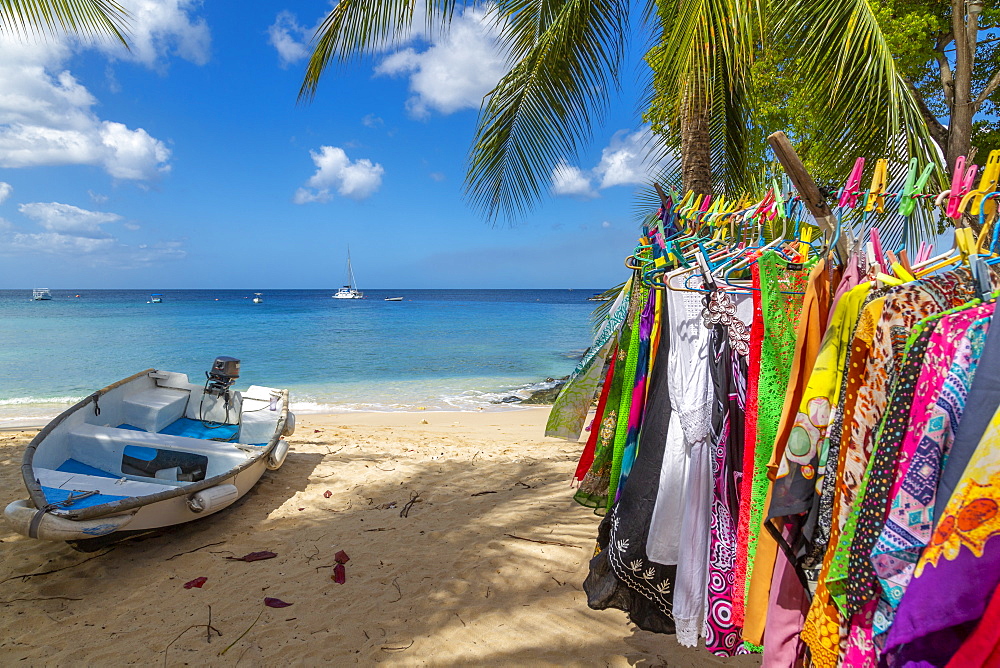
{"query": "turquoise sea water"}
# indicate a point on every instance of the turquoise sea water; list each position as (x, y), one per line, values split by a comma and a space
(436, 350)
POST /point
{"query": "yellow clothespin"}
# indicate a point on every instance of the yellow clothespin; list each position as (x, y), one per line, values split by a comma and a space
(876, 194)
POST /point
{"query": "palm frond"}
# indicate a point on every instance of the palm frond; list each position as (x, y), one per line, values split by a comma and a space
(707, 48)
(603, 308)
(848, 69)
(357, 28)
(566, 56)
(86, 18)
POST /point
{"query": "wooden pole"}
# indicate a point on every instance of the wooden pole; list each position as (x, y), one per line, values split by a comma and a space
(807, 188)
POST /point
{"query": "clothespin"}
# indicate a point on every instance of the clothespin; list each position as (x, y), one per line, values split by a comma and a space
(876, 194)
(876, 241)
(961, 184)
(987, 184)
(849, 195)
(914, 186)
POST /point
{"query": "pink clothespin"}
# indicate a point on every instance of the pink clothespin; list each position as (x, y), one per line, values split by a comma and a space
(961, 184)
(849, 196)
(705, 202)
(877, 246)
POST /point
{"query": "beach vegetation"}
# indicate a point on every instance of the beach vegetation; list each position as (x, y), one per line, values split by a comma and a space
(93, 19)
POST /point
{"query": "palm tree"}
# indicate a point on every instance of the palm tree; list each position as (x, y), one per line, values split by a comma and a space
(87, 18)
(566, 57)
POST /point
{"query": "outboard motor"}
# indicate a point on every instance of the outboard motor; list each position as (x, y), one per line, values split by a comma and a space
(225, 371)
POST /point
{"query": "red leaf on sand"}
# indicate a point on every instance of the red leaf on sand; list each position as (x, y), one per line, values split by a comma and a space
(327, 494)
(197, 582)
(254, 556)
(275, 603)
(341, 557)
(339, 574)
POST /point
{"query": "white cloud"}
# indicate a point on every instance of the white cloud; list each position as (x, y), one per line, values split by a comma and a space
(289, 38)
(606, 224)
(68, 219)
(437, 176)
(5, 190)
(461, 65)
(372, 121)
(624, 161)
(569, 180)
(97, 198)
(76, 235)
(159, 29)
(357, 179)
(47, 116)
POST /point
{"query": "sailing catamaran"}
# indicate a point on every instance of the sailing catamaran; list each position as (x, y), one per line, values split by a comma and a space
(349, 291)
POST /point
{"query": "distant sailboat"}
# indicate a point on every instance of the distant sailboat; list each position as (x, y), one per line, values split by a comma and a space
(156, 298)
(349, 291)
(258, 299)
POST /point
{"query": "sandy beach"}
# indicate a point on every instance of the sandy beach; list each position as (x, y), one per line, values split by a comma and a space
(465, 548)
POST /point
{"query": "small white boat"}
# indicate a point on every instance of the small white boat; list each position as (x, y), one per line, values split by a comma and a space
(258, 299)
(156, 298)
(41, 294)
(393, 299)
(349, 291)
(150, 451)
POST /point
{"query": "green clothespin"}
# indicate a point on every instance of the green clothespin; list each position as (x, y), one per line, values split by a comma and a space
(913, 187)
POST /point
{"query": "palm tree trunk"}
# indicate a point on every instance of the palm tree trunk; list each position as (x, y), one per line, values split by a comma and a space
(696, 155)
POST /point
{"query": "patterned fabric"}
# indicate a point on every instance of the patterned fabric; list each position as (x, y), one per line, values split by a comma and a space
(638, 404)
(593, 491)
(728, 367)
(782, 288)
(860, 648)
(621, 576)
(960, 568)
(749, 446)
(569, 411)
(625, 427)
(587, 457)
(910, 520)
(877, 352)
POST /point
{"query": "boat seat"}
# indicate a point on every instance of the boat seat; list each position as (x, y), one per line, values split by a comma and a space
(95, 446)
(152, 410)
(58, 485)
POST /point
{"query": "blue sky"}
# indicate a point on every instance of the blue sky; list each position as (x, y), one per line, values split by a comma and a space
(188, 164)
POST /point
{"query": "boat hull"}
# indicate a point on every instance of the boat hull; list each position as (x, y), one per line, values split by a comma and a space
(230, 469)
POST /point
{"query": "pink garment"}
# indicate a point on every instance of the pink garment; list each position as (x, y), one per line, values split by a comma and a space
(850, 279)
(750, 446)
(942, 346)
(786, 613)
(860, 646)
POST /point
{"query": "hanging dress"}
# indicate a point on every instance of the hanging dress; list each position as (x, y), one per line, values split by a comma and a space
(728, 316)
(621, 576)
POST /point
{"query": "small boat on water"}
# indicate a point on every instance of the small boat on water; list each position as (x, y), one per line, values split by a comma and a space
(150, 451)
(257, 298)
(393, 299)
(156, 298)
(349, 291)
(41, 294)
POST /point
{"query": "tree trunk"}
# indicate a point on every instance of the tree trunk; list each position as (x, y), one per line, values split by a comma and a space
(696, 164)
(963, 109)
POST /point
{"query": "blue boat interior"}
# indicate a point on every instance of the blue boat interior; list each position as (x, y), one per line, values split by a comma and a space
(135, 453)
(195, 429)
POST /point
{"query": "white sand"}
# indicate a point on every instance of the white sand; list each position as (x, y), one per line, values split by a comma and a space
(446, 585)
